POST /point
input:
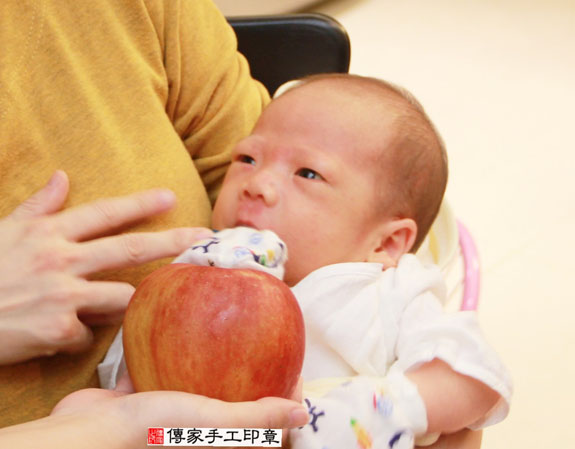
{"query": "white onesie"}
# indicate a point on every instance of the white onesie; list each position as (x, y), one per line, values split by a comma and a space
(370, 326)
(364, 328)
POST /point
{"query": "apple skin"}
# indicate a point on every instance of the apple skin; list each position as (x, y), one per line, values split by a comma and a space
(230, 334)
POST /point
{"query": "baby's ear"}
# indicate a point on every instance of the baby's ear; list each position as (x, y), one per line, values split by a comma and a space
(397, 237)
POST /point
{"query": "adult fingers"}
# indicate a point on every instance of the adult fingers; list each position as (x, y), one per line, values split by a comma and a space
(83, 399)
(282, 413)
(182, 409)
(134, 249)
(79, 340)
(297, 393)
(100, 298)
(66, 334)
(47, 200)
(103, 216)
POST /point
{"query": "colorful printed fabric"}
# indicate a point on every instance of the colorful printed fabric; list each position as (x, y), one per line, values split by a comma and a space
(239, 247)
(363, 413)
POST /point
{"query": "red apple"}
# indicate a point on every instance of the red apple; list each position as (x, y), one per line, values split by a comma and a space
(230, 334)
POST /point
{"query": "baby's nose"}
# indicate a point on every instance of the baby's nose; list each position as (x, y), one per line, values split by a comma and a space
(262, 186)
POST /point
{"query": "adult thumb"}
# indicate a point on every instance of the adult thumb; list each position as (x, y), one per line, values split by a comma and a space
(47, 200)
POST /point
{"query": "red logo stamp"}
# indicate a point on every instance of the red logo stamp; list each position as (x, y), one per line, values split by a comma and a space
(155, 435)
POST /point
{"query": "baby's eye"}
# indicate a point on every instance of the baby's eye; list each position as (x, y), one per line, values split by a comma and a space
(245, 159)
(308, 173)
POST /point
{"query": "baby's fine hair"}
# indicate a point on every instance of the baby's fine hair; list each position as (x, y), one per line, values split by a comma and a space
(413, 169)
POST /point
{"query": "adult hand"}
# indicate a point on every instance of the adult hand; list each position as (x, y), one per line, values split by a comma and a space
(114, 419)
(297, 396)
(46, 255)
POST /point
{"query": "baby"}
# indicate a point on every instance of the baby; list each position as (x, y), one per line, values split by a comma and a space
(349, 172)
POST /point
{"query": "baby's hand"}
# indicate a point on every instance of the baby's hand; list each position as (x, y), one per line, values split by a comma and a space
(239, 247)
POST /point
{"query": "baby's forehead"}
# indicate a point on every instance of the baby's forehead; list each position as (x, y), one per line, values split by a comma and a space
(328, 90)
(375, 108)
(352, 88)
(366, 111)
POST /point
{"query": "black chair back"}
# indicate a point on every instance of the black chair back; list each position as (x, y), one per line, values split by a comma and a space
(280, 48)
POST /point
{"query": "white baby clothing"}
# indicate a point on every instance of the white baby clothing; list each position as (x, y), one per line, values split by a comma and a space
(364, 328)
(362, 321)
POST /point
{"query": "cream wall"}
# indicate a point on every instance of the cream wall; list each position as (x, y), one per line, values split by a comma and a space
(498, 79)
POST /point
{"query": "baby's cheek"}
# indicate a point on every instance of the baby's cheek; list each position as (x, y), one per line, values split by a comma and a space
(219, 213)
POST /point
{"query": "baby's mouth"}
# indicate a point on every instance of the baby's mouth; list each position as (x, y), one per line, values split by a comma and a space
(247, 224)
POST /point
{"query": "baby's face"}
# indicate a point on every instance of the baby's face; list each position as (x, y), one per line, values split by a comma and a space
(306, 172)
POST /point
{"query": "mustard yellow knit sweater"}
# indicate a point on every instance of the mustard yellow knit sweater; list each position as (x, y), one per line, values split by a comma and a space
(123, 95)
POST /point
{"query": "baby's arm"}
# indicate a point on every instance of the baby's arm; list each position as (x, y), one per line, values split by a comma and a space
(463, 439)
(453, 401)
(381, 411)
(361, 411)
(459, 377)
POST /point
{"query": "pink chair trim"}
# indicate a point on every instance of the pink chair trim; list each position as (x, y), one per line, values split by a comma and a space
(471, 266)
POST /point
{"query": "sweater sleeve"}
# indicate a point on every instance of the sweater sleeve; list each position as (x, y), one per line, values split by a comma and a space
(213, 102)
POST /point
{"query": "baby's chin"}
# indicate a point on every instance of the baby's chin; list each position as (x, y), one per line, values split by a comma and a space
(291, 276)
(290, 281)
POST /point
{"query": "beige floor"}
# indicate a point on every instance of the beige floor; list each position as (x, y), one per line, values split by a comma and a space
(498, 79)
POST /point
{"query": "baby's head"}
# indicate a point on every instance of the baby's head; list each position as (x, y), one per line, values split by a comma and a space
(343, 168)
